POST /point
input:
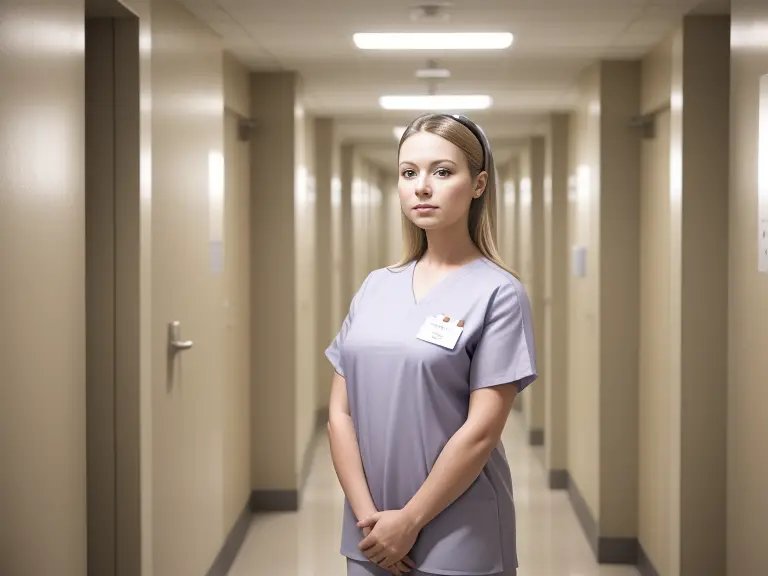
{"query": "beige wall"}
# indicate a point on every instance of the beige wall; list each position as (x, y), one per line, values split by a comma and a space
(394, 220)
(273, 305)
(555, 301)
(603, 307)
(325, 265)
(305, 318)
(113, 277)
(42, 292)
(236, 389)
(368, 218)
(188, 284)
(583, 308)
(683, 301)
(507, 218)
(747, 519)
(531, 270)
(657, 492)
(346, 233)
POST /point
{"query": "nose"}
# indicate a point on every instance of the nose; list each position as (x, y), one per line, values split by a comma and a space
(422, 188)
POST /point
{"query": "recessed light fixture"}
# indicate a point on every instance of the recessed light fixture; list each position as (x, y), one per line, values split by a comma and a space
(433, 73)
(398, 132)
(445, 102)
(433, 41)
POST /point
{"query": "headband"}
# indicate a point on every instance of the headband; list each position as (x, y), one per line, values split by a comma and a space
(479, 134)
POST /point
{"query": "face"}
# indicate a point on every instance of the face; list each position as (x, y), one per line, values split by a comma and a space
(435, 185)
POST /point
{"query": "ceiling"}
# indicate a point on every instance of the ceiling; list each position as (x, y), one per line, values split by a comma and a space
(554, 41)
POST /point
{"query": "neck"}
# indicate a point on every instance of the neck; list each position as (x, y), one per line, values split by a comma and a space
(450, 246)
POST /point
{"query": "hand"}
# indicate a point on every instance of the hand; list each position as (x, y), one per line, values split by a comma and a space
(392, 535)
(399, 568)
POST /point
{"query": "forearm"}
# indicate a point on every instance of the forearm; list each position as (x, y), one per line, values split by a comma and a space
(458, 466)
(345, 453)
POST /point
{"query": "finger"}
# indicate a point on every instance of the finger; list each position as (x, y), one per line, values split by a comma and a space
(368, 542)
(410, 563)
(378, 558)
(374, 553)
(403, 567)
(369, 521)
(391, 561)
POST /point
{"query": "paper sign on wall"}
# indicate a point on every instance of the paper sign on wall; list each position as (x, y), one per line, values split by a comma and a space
(579, 261)
(762, 178)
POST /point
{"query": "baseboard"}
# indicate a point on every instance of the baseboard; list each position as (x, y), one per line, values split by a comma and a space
(617, 551)
(607, 550)
(584, 515)
(536, 437)
(231, 547)
(558, 479)
(644, 564)
(274, 501)
(290, 500)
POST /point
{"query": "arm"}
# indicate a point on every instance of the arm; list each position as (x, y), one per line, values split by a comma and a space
(464, 455)
(345, 451)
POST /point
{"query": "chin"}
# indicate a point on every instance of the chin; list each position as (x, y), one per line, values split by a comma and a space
(427, 222)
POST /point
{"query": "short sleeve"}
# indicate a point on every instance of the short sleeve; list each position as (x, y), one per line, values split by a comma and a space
(334, 351)
(505, 352)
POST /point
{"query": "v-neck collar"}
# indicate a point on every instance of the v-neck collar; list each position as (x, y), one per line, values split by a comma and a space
(449, 278)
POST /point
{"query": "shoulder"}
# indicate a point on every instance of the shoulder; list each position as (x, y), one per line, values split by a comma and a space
(502, 288)
(381, 277)
(494, 277)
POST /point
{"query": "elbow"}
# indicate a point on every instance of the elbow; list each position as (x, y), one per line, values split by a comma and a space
(336, 421)
(484, 440)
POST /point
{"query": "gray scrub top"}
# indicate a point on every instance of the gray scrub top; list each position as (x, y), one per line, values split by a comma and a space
(408, 397)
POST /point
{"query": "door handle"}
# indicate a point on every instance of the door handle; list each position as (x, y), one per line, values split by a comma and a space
(175, 343)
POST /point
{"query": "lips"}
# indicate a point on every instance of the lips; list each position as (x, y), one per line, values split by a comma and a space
(424, 207)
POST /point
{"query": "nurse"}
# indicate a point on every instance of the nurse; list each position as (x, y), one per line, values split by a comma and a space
(427, 365)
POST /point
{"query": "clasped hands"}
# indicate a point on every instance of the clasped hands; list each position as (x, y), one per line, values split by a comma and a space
(388, 537)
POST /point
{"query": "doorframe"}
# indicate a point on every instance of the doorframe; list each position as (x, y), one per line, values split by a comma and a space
(113, 304)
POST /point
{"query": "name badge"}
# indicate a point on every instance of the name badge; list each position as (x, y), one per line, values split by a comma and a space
(441, 330)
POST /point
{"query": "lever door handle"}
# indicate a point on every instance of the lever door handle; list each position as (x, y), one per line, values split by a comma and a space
(175, 343)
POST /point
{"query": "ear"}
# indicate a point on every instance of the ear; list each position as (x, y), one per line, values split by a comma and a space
(480, 184)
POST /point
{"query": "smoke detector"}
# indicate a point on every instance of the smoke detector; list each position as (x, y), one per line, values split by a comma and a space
(433, 13)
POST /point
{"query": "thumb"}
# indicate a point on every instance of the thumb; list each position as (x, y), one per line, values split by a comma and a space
(368, 522)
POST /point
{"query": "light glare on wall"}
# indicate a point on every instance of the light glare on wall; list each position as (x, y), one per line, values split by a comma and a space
(436, 102)
(398, 132)
(433, 41)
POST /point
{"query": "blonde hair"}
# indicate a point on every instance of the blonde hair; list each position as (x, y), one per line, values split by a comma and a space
(482, 211)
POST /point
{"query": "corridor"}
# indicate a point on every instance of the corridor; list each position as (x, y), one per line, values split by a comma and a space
(194, 195)
(306, 543)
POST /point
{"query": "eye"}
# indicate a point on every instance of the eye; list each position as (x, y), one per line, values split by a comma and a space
(408, 173)
(443, 172)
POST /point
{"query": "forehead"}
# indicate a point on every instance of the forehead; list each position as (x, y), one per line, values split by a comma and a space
(424, 147)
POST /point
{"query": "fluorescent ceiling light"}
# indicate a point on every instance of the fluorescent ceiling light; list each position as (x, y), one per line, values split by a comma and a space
(398, 132)
(436, 102)
(434, 41)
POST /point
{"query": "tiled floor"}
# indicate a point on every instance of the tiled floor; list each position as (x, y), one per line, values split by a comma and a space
(550, 541)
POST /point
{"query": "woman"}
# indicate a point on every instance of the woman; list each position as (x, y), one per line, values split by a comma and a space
(428, 363)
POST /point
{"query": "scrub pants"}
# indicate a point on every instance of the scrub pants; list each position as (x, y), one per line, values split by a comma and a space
(357, 568)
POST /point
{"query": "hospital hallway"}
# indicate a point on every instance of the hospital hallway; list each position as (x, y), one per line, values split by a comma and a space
(214, 211)
(306, 543)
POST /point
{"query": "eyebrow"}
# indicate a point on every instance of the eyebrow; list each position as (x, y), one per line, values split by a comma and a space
(433, 163)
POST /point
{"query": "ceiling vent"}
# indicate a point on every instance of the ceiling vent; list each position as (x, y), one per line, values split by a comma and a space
(434, 13)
